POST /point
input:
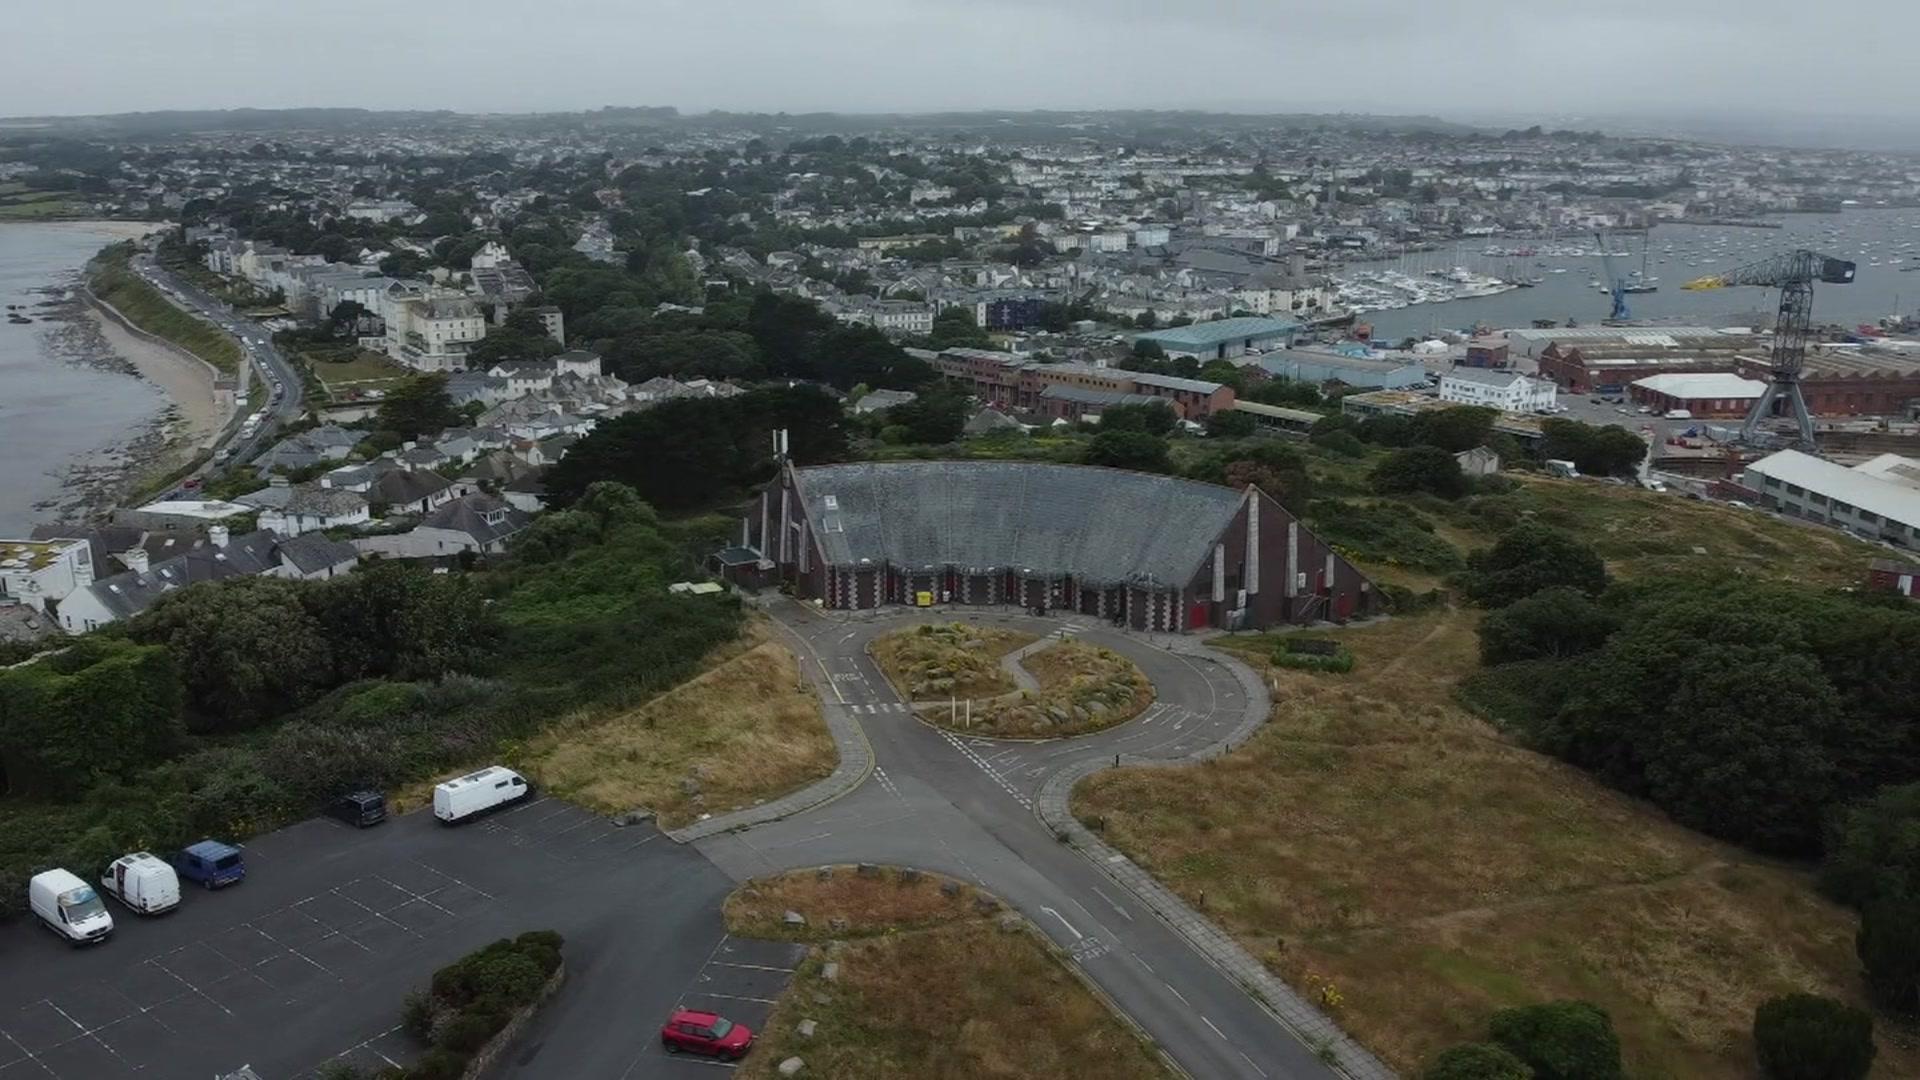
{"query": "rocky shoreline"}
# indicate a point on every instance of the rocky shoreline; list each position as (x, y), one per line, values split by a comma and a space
(95, 482)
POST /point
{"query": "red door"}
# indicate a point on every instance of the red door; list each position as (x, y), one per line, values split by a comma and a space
(1197, 614)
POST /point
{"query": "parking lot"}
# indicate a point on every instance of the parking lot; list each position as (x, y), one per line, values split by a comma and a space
(309, 959)
(740, 981)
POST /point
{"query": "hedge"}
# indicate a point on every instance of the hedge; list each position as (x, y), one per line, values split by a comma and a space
(476, 996)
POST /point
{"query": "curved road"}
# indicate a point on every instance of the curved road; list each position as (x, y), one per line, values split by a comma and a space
(964, 805)
(256, 344)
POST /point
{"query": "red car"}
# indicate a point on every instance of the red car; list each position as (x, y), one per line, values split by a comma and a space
(705, 1033)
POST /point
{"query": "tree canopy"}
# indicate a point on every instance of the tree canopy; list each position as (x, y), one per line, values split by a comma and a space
(1136, 450)
(1528, 558)
(1426, 469)
(418, 406)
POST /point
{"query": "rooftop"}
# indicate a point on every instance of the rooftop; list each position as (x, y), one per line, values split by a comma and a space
(30, 555)
(1705, 384)
(1887, 498)
(1219, 332)
(982, 515)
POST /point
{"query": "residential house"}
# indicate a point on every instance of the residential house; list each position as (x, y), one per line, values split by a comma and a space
(41, 572)
(292, 509)
(882, 400)
(477, 523)
(409, 491)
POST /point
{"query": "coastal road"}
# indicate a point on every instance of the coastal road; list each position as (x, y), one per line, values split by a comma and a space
(964, 805)
(276, 374)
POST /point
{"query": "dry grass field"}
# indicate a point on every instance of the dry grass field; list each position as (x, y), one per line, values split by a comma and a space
(930, 985)
(946, 660)
(1083, 688)
(1378, 837)
(745, 730)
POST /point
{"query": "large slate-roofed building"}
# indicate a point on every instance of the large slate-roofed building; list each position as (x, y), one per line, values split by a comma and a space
(1155, 552)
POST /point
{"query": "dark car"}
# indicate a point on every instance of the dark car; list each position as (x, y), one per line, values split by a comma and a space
(705, 1033)
(211, 863)
(359, 808)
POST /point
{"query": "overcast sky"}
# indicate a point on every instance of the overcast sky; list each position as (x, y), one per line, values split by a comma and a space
(1449, 57)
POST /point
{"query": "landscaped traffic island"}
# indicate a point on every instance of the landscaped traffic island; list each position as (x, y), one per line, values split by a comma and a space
(945, 661)
(1006, 684)
(914, 974)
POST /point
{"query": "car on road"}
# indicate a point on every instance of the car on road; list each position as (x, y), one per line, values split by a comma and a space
(689, 1030)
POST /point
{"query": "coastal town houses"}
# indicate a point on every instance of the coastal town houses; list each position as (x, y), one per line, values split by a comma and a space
(291, 509)
(216, 556)
(39, 572)
(478, 524)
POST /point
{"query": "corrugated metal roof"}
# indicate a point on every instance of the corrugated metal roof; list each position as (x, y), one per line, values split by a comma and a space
(1098, 524)
(1693, 386)
(1886, 498)
(1219, 332)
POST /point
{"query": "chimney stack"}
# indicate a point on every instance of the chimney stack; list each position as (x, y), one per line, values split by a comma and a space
(136, 560)
(217, 535)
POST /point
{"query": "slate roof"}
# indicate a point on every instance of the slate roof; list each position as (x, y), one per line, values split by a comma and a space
(469, 514)
(309, 552)
(1098, 524)
(128, 594)
(403, 487)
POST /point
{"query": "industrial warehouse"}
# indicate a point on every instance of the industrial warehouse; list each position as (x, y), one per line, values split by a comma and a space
(1150, 552)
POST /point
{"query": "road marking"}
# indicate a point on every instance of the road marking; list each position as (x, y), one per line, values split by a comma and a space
(1178, 994)
(1143, 962)
(1255, 1064)
(1216, 1030)
(739, 997)
(831, 681)
(753, 967)
(1077, 935)
(1111, 904)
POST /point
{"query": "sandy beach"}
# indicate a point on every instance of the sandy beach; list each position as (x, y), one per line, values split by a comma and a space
(187, 381)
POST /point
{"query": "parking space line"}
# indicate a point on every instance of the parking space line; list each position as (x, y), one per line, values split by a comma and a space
(731, 997)
(455, 880)
(376, 914)
(421, 897)
(528, 805)
(28, 1054)
(185, 983)
(752, 967)
(289, 949)
(85, 1033)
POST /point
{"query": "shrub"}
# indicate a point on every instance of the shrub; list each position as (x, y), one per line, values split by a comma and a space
(1314, 655)
(416, 1014)
(1560, 1040)
(1476, 1061)
(1551, 624)
(498, 975)
(1889, 948)
(1873, 849)
(438, 1065)
(1804, 1037)
(1419, 469)
(1528, 558)
(466, 1032)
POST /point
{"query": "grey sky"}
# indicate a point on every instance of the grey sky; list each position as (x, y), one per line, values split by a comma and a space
(1561, 57)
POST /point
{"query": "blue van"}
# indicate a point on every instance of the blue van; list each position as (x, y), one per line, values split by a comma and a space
(211, 863)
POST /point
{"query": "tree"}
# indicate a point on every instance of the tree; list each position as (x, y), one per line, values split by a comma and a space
(102, 707)
(1476, 1061)
(1148, 349)
(522, 337)
(1462, 427)
(1553, 623)
(1147, 319)
(346, 313)
(1136, 450)
(1154, 418)
(1528, 558)
(1873, 849)
(419, 406)
(1805, 1037)
(1596, 451)
(955, 328)
(247, 649)
(1231, 424)
(1888, 945)
(1419, 469)
(1560, 1040)
(934, 418)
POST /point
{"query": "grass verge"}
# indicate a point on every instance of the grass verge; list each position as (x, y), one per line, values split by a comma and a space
(745, 730)
(1377, 838)
(1083, 688)
(929, 982)
(943, 660)
(141, 303)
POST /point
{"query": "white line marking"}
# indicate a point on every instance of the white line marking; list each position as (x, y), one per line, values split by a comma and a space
(1210, 1024)
(1255, 1064)
(752, 967)
(735, 997)
(1077, 935)
(1111, 904)
(830, 682)
(1178, 994)
(1143, 963)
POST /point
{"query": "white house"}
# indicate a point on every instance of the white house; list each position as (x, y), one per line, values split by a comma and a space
(477, 523)
(39, 572)
(293, 509)
(1507, 391)
(432, 333)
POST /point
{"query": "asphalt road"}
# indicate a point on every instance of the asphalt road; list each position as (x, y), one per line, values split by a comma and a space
(310, 958)
(256, 343)
(963, 805)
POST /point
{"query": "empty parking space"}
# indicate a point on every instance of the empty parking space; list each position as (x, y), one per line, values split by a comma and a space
(741, 980)
(308, 960)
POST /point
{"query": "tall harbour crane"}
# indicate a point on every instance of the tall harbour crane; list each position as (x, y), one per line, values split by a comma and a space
(1793, 274)
(1616, 285)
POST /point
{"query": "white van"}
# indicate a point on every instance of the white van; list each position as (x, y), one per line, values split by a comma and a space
(69, 907)
(477, 792)
(1679, 414)
(143, 882)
